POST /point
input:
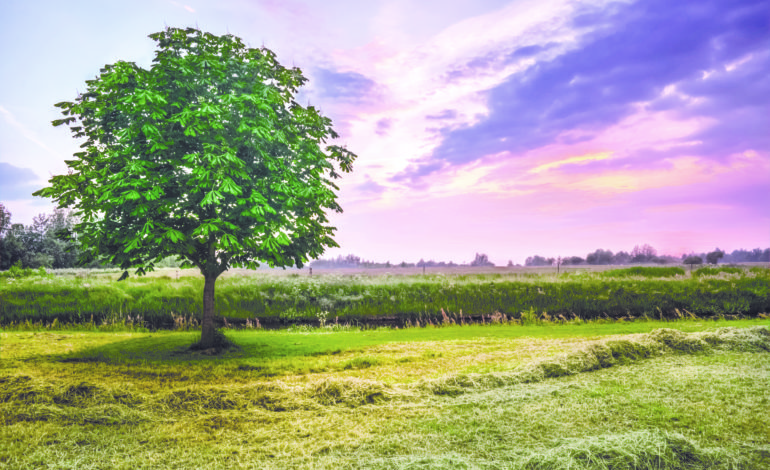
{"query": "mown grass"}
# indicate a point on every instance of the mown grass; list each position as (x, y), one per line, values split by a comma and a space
(597, 395)
(162, 301)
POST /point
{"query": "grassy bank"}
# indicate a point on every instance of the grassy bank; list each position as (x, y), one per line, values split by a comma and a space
(157, 301)
(593, 396)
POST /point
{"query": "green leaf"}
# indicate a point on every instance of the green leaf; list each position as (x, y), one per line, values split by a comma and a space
(230, 187)
(131, 195)
(174, 235)
(212, 197)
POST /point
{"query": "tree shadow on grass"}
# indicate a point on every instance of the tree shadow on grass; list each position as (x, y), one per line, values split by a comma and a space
(178, 347)
(152, 347)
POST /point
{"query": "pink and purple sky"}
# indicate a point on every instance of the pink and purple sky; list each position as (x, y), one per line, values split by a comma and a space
(512, 128)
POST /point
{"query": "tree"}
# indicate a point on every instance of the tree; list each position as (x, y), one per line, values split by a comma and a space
(643, 254)
(538, 260)
(714, 256)
(5, 225)
(599, 257)
(693, 260)
(5, 220)
(205, 156)
(58, 241)
(481, 259)
(621, 257)
(12, 249)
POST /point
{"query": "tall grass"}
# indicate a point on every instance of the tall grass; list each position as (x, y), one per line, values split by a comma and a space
(644, 271)
(716, 270)
(161, 301)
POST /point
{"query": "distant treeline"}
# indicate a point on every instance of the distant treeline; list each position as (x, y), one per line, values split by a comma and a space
(40, 244)
(352, 261)
(49, 243)
(644, 254)
(647, 254)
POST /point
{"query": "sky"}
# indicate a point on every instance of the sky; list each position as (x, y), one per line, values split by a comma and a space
(511, 128)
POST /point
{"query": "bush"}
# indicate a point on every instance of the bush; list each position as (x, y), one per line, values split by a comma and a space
(17, 272)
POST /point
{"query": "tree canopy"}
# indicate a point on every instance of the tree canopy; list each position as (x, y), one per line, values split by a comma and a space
(206, 155)
(715, 256)
(692, 260)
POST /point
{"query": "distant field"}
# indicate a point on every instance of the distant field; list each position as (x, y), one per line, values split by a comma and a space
(394, 271)
(663, 395)
(457, 296)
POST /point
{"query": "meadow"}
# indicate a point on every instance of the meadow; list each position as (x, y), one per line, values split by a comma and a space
(609, 369)
(686, 394)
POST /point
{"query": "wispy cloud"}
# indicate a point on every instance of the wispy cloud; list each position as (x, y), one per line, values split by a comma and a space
(184, 6)
(581, 159)
(23, 130)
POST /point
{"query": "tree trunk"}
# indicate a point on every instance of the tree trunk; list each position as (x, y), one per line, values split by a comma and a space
(207, 325)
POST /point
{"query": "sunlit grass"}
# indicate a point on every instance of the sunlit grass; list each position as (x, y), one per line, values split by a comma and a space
(455, 397)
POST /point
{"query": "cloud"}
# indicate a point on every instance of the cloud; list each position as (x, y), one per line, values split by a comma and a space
(633, 52)
(371, 187)
(581, 159)
(182, 5)
(383, 125)
(445, 114)
(345, 86)
(17, 183)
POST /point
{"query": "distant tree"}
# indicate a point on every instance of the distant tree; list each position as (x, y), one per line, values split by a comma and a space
(12, 249)
(621, 257)
(510, 264)
(572, 260)
(347, 261)
(643, 254)
(59, 242)
(205, 156)
(5, 220)
(538, 261)
(693, 260)
(5, 227)
(745, 256)
(599, 257)
(481, 260)
(714, 256)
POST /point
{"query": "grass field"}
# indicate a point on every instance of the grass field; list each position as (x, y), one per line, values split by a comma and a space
(597, 395)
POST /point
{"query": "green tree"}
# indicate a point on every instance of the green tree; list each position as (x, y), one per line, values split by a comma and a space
(205, 156)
